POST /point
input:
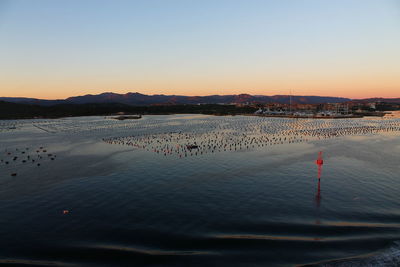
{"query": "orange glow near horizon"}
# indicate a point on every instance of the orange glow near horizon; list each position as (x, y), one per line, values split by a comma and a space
(347, 87)
(63, 93)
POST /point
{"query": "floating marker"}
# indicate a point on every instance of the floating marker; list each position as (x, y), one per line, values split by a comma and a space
(319, 162)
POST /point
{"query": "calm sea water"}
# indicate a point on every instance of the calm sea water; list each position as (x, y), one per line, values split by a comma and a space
(95, 203)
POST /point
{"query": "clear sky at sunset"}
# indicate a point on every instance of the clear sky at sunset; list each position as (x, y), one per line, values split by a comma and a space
(55, 49)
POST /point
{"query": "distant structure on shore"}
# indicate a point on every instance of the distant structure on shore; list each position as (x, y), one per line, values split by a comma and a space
(328, 110)
(122, 116)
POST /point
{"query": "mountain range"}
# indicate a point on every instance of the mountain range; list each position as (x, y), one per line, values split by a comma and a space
(137, 99)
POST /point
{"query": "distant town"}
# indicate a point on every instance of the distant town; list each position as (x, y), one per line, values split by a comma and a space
(327, 110)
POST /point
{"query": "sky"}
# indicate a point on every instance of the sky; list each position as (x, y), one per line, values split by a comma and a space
(56, 49)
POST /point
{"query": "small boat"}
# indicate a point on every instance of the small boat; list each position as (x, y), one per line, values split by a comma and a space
(128, 117)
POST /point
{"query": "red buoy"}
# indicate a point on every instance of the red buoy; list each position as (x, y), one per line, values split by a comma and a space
(319, 162)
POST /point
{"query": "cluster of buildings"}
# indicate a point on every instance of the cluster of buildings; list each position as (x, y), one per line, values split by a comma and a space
(346, 109)
(305, 110)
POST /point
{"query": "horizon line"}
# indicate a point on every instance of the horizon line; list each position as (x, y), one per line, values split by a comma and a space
(159, 94)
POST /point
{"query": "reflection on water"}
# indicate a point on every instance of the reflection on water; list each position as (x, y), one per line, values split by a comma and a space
(319, 163)
(251, 205)
(318, 194)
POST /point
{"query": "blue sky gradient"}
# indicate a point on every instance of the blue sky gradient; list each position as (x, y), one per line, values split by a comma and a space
(52, 49)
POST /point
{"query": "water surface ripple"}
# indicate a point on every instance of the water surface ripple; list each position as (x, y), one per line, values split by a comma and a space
(258, 206)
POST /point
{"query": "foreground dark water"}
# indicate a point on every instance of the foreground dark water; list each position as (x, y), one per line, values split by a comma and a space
(255, 207)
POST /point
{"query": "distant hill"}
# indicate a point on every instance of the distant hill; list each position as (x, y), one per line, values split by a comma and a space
(33, 101)
(378, 99)
(137, 99)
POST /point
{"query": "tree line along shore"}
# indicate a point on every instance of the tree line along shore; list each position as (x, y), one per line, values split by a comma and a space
(11, 111)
